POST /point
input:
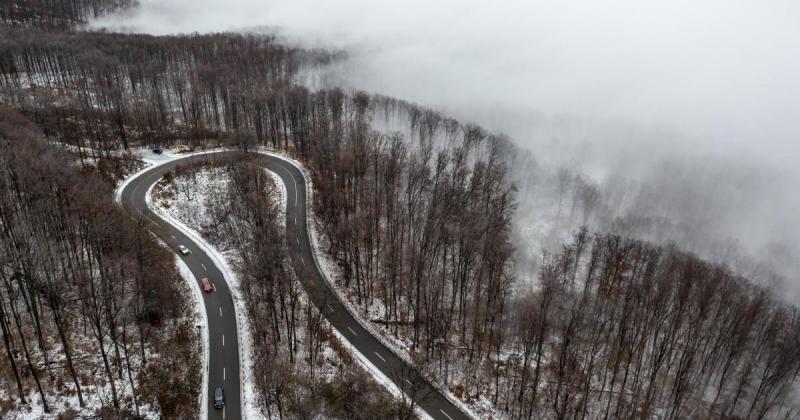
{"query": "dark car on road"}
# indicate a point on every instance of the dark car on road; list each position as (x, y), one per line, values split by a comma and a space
(219, 398)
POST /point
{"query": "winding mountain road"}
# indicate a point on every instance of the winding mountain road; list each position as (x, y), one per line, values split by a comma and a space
(223, 342)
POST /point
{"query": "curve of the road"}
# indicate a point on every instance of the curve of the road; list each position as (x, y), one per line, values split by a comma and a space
(223, 340)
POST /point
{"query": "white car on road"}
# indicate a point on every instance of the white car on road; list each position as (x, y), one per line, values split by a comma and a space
(184, 250)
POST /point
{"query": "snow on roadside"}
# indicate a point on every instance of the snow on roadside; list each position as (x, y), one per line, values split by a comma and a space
(327, 268)
(282, 193)
(245, 361)
(150, 159)
(201, 318)
(186, 201)
(249, 409)
(167, 155)
(96, 390)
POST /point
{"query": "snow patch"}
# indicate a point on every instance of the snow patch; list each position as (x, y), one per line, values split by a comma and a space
(151, 159)
(202, 321)
(249, 410)
(245, 359)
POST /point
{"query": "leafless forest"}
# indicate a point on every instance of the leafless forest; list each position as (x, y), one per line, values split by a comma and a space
(57, 14)
(82, 283)
(420, 227)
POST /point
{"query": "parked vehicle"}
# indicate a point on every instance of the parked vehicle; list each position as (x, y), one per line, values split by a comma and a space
(207, 287)
(219, 398)
(158, 151)
(184, 250)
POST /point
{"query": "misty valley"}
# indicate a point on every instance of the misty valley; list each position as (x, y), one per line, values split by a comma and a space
(269, 213)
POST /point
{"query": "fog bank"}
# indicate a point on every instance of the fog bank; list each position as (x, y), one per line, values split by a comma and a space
(609, 88)
(723, 71)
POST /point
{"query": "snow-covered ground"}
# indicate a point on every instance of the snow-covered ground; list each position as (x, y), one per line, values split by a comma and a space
(95, 396)
(188, 200)
(149, 159)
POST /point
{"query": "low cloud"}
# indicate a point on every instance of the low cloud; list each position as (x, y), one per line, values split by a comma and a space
(608, 87)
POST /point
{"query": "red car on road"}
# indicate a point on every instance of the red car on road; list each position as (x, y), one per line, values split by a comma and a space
(207, 287)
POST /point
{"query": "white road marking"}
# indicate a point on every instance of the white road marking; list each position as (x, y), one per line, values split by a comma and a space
(351, 330)
(295, 220)
(223, 413)
(445, 414)
(330, 307)
(295, 189)
(172, 236)
(297, 238)
(381, 357)
(223, 373)
(409, 382)
(204, 267)
(223, 340)
(302, 261)
(220, 311)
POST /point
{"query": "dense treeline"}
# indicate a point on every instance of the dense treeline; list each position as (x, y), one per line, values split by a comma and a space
(57, 14)
(88, 299)
(425, 235)
(613, 328)
(116, 90)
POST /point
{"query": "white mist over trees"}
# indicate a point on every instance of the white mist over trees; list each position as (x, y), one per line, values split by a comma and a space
(611, 90)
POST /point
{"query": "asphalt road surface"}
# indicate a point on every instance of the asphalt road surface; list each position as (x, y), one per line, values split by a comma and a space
(224, 359)
(222, 333)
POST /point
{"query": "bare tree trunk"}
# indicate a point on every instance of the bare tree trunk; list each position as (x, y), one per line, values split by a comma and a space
(7, 343)
(31, 364)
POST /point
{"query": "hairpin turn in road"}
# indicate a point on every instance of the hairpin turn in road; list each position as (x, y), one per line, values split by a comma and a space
(223, 339)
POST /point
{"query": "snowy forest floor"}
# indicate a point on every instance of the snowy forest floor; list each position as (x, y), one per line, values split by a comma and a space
(170, 345)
